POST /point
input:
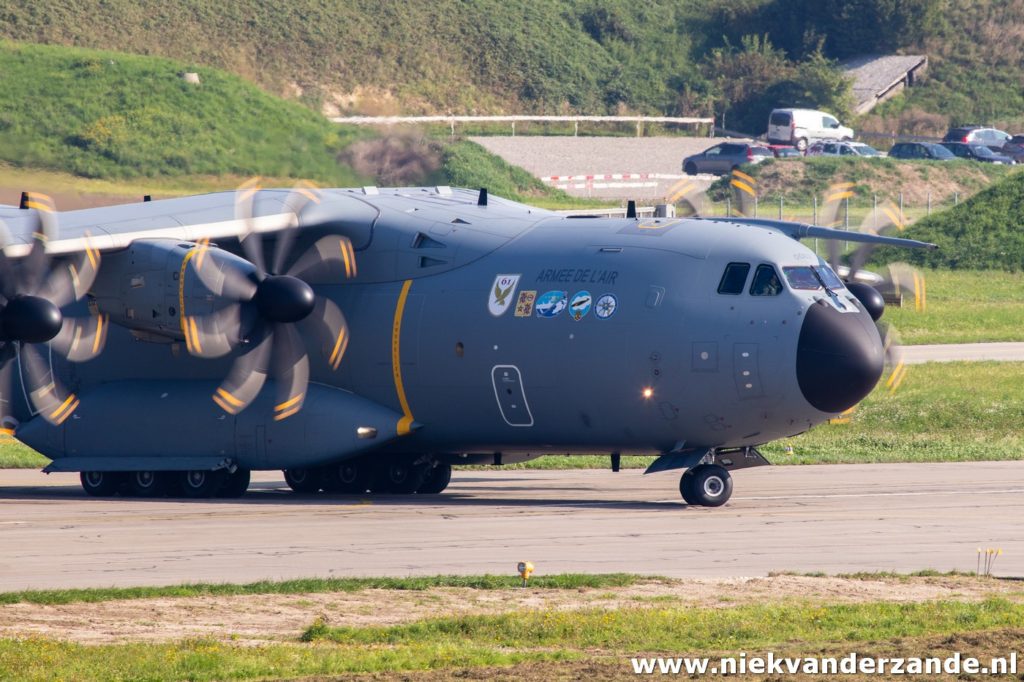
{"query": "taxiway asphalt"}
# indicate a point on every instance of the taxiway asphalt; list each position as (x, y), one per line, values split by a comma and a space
(832, 518)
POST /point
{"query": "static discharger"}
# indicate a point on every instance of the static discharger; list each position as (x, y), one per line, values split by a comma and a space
(525, 569)
(986, 560)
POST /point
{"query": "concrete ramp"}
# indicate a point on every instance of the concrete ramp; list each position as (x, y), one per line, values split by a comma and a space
(876, 79)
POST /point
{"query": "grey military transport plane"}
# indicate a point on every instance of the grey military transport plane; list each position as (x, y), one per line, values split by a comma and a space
(369, 339)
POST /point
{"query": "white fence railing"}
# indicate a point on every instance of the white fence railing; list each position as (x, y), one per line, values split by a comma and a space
(575, 120)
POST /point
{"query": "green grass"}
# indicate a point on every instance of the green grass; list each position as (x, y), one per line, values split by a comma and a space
(506, 639)
(981, 233)
(942, 412)
(963, 306)
(110, 115)
(562, 581)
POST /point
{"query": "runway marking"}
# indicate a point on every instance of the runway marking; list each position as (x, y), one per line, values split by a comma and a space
(892, 494)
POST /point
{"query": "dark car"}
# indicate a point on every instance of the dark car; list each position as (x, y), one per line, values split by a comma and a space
(977, 152)
(990, 137)
(722, 158)
(1014, 148)
(920, 150)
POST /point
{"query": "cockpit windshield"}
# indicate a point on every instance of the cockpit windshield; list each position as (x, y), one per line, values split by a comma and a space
(808, 277)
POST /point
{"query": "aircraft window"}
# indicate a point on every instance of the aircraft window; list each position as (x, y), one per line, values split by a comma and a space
(801, 277)
(733, 279)
(766, 282)
(829, 277)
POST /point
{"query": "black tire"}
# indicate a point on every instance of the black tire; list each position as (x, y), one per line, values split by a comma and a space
(303, 480)
(801, 144)
(200, 483)
(436, 480)
(235, 484)
(686, 488)
(351, 477)
(690, 168)
(709, 486)
(146, 483)
(102, 483)
(398, 475)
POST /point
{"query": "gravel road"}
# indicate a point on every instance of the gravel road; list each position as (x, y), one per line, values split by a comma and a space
(547, 156)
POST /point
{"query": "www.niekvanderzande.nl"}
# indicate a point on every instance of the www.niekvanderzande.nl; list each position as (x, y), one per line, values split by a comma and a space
(849, 664)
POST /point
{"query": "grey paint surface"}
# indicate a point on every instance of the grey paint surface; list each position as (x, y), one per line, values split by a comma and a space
(900, 517)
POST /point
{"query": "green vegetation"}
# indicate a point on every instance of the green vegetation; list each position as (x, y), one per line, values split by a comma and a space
(963, 306)
(553, 636)
(942, 412)
(467, 164)
(801, 180)
(562, 581)
(982, 233)
(112, 115)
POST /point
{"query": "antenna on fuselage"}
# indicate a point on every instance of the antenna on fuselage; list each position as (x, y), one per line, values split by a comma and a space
(24, 201)
(482, 199)
(631, 209)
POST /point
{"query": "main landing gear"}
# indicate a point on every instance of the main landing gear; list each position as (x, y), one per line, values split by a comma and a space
(707, 485)
(199, 483)
(391, 475)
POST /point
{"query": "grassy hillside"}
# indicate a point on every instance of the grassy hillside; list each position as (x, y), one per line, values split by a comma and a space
(484, 55)
(110, 115)
(670, 56)
(801, 179)
(982, 233)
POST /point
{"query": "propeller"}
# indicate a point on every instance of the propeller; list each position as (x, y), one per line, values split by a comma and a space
(694, 200)
(263, 308)
(33, 290)
(874, 289)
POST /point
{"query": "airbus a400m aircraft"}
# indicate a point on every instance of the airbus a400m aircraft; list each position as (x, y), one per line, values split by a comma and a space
(369, 339)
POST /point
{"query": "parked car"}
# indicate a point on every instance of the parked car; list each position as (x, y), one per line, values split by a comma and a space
(1014, 148)
(977, 152)
(722, 158)
(785, 151)
(842, 149)
(920, 150)
(799, 127)
(990, 137)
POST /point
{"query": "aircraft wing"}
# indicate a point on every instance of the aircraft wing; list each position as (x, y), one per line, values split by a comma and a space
(804, 231)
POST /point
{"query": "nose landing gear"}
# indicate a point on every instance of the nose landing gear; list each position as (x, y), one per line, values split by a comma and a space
(707, 485)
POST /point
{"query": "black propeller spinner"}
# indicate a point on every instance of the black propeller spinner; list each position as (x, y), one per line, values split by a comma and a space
(263, 308)
(33, 290)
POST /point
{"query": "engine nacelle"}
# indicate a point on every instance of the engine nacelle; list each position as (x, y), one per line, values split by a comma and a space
(147, 286)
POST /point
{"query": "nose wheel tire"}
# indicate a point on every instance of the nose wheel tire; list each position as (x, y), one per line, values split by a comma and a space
(101, 483)
(708, 485)
(303, 480)
(436, 480)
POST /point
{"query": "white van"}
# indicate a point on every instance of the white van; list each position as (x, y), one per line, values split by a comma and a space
(800, 126)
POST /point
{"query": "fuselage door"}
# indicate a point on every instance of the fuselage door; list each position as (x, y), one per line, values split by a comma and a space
(508, 389)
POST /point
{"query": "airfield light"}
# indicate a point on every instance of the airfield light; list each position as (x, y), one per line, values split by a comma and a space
(525, 568)
(648, 392)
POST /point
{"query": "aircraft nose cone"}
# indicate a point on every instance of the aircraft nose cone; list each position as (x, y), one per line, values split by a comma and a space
(839, 357)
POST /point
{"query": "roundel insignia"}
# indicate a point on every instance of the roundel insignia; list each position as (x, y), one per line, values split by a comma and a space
(551, 303)
(579, 305)
(605, 306)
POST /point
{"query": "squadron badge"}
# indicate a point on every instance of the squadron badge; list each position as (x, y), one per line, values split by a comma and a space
(502, 294)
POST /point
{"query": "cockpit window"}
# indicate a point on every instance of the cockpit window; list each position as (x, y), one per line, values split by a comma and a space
(733, 279)
(766, 282)
(829, 277)
(807, 277)
(801, 277)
